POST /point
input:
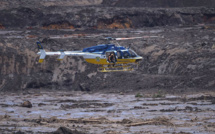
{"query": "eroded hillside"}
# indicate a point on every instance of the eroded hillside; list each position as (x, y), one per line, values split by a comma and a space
(180, 58)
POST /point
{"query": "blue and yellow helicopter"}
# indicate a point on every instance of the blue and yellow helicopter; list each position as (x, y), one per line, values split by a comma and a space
(111, 57)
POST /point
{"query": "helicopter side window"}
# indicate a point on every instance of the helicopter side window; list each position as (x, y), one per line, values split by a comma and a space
(125, 54)
(119, 55)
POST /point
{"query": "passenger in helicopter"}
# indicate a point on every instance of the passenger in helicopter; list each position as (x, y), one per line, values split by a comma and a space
(111, 58)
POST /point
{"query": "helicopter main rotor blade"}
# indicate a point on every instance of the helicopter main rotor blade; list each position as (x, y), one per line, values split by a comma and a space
(135, 38)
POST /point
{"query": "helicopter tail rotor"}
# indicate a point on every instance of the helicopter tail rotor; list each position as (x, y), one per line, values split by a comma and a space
(39, 45)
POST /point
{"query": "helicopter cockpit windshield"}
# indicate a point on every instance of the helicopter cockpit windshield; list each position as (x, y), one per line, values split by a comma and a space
(132, 53)
(126, 54)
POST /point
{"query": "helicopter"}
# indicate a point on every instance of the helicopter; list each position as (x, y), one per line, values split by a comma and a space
(121, 60)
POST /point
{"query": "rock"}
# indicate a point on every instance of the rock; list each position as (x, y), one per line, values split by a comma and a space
(126, 121)
(41, 104)
(27, 104)
(6, 116)
(84, 87)
(213, 101)
(64, 130)
(52, 119)
(19, 132)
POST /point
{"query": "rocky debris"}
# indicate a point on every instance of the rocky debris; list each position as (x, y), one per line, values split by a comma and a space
(41, 104)
(85, 105)
(19, 132)
(84, 87)
(186, 109)
(64, 130)
(107, 3)
(159, 3)
(118, 117)
(203, 98)
(181, 132)
(111, 132)
(43, 121)
(26, 104)
(58, 25)
(179, 59)
(172, 61)
(2, 27)
(6, 116)
(102, 18)
(154, 121)
(213, 101)
(125, 121)
(90, 120)
(46, 3)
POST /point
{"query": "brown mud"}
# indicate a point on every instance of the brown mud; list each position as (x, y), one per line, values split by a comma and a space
(112, 113)
(171, 91)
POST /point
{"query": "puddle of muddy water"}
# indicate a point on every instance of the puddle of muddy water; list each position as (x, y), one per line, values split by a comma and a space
(104, 113)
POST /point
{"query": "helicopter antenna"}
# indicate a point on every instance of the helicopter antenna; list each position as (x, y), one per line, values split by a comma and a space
(129, 46)
(117, 44)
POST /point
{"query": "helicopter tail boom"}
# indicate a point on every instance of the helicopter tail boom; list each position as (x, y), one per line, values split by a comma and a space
(43, 53)
(61, 54)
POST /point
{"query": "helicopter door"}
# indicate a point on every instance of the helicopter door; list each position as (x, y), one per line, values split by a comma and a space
(111, 57)
(119, 55)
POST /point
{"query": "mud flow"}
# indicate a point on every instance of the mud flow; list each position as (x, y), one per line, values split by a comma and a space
(107, 113)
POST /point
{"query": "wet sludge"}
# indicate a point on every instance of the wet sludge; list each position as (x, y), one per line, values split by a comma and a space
(106, 113)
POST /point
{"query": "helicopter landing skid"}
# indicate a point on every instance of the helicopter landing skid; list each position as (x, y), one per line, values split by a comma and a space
(117, 68)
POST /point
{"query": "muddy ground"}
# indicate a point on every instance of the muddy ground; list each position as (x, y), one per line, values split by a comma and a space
(171, 91)
(96, 113)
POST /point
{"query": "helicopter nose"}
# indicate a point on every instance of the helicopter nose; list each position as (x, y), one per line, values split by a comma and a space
(139, 59)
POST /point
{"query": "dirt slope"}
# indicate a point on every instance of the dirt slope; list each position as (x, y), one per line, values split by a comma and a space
(181, 58)
(159, 3)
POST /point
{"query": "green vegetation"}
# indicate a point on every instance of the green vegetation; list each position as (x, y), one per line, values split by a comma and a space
(138, 95)
(158, 95)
